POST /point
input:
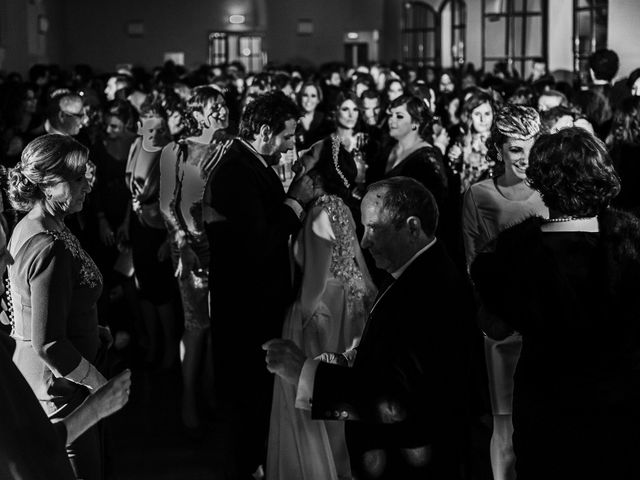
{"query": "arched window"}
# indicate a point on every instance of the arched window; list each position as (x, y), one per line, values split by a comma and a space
(420, 35)
(589, 33)
(453, 22)
(514, 31)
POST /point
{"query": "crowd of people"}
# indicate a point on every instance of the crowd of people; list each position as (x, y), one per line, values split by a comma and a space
(395, 244)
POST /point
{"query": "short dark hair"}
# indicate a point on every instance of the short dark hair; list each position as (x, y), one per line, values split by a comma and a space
(405, 197)
(573, 172)
(371, 94)
(272, 109)
(604, 63)
(416, 109)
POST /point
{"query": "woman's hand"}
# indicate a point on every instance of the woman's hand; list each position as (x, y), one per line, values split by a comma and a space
(106, 233)
(187, 262)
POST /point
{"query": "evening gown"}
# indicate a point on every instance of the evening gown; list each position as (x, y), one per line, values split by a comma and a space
(486, 212)
(328, 316)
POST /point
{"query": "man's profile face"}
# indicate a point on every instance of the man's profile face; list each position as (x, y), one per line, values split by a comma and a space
(72, 115)
(111, 89)
(283, 141)
(380, 235)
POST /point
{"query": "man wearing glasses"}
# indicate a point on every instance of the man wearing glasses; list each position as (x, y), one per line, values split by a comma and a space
(65, 113)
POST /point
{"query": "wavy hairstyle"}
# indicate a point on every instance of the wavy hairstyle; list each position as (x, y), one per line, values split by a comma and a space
(573, 172)
(45, 161)
(201, 97)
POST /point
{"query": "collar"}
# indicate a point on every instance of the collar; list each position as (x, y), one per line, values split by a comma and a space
(254, 151)
(401, 270)
(50, 129)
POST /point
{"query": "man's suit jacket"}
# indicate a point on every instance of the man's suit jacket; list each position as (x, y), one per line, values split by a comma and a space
(407, 390)
(250, 275)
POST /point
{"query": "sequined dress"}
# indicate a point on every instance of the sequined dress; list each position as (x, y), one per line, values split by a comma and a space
(328, 316)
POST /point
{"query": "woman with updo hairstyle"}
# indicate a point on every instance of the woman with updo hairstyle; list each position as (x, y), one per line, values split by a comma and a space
(328, 315)
(489, 207)
(569, 284)
(312, 125)
(54, 287)
(468, 153)
(410, 154)
(185, 169)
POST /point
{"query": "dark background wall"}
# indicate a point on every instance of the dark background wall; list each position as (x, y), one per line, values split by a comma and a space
(95, 31)
(332, 19)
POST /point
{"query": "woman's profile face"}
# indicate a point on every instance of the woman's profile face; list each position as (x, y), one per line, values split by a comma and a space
(635, 88)
(515, 154)
(348, 114)
(309, 99)
(67, 196)
(394, 90)
(400, 122)
(482, 118)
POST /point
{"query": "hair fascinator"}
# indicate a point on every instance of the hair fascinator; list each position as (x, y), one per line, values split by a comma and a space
(517, 121)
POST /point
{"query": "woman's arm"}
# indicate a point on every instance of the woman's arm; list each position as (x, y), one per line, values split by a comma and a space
(318, 241)
(52, 280)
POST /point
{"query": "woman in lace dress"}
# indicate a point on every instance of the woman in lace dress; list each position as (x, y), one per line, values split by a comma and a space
(328, 316)
(54, 289)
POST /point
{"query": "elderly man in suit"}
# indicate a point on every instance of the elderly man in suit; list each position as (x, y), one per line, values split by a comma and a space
(250, 273)
(404, 397)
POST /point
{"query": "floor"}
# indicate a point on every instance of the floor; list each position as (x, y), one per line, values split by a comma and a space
(146, 440)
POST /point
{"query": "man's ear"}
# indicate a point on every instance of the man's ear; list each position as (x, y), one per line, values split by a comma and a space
(265, 133)
(415, 226)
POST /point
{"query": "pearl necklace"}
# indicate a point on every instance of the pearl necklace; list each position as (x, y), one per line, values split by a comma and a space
(567, 219)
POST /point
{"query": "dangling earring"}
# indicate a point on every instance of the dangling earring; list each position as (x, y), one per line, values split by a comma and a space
(414, 127)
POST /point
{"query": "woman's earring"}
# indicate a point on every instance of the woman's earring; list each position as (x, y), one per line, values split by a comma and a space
(414, 127)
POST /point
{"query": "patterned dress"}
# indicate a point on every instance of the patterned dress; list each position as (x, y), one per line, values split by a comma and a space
(328, 316)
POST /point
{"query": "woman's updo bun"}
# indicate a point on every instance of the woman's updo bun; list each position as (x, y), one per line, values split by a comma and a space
(45, 161)
(22, 192)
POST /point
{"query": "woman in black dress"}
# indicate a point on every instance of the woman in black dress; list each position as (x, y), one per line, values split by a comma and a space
(569, 285)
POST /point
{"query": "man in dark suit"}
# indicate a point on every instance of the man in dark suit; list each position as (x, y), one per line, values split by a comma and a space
(250, 273)
(405, 395)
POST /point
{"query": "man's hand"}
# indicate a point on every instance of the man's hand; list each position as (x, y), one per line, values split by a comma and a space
(285, 359)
